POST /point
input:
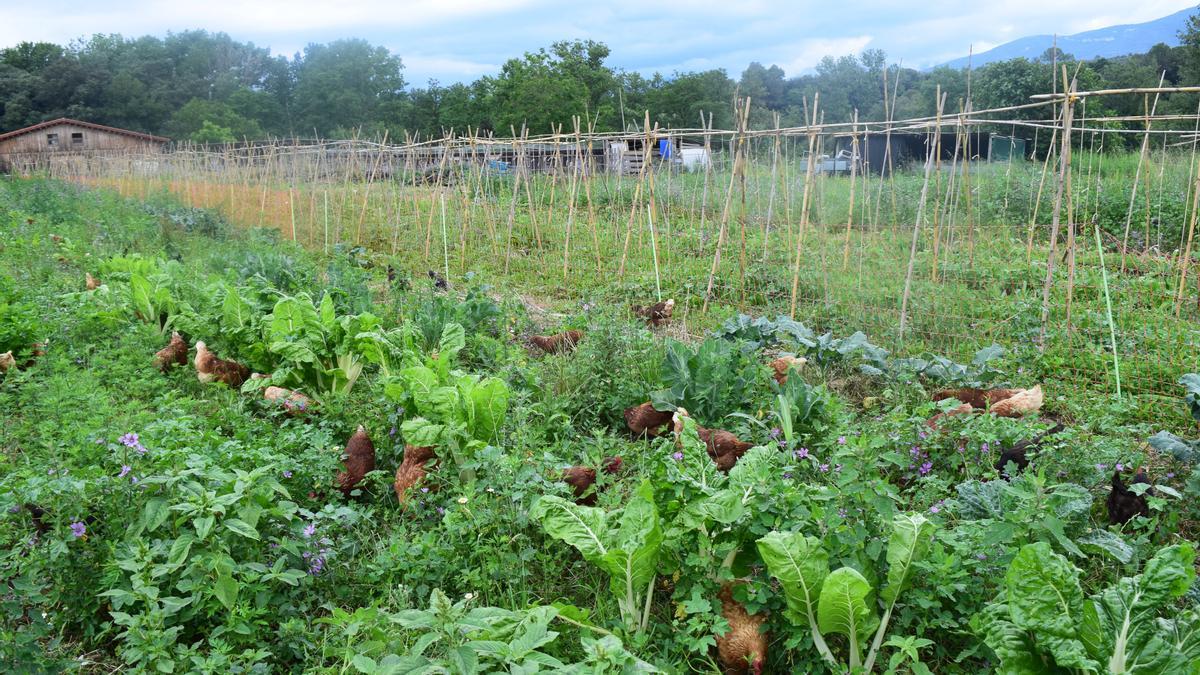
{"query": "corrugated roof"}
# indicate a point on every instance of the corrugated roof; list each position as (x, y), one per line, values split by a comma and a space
(86, 125)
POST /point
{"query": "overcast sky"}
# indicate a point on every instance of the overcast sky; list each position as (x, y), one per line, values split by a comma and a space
(459, 40)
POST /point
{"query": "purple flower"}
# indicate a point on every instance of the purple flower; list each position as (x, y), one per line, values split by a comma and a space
(392, 432)
(78, 529)
(318, 564)
(926, 468)
(424, 489)
(838, 468)
(441, 511)
(1171, 474)
(287, 473)
(1120, 467)
(934, 509)
(130, 440)
(824, 468)
(1101, 467)
(985, 447)
(310, 529)
(124, 471)
(50, 472)
(841, 440)
(677, 456)
(922, 435)
(981, 556)
(842, 513)
(133, 479)
(802, 453)
(787, 475)
(775, 432)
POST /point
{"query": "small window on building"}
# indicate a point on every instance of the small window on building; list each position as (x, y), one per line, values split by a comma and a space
(51, 139)
(77, 138)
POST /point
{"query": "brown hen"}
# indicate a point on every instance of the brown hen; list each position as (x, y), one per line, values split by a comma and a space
(293, 402)
(412, 470)
(209, 368)
(783, 364)
(645, 420)
(175, 353)
(90, 282)
(723, 447)
(743, 649)
(657, 314)
(582, 478)
(359, 461)
(558, 343)
(976, 398)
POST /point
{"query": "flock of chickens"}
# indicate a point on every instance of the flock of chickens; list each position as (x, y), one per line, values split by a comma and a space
(743, 648)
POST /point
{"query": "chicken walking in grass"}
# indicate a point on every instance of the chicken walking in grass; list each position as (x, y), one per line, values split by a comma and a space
(90, 282)
(583, 478)
(743, 648)
(644, 420)
(559, 343)
(657, 314)
(782, 365)
(209, 368)
(1124, 504)
(412, 470)
(175, 353)
(359, 461)
(7, 362)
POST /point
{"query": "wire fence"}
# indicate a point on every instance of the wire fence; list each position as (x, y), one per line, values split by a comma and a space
(940, 234)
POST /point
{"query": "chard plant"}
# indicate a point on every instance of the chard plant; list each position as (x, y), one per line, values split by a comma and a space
(842, 601)
(318, 351)
(1041, 622)
(625, 544)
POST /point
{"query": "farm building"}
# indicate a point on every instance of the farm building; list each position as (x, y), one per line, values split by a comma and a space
(37, 146)
(911, 147)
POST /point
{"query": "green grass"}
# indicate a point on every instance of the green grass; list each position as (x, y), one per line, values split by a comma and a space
(63, 418)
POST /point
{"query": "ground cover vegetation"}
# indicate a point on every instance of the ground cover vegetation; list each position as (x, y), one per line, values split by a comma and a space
(399, 480)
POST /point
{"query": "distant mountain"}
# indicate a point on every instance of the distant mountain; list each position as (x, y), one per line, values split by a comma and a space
(1135, 38)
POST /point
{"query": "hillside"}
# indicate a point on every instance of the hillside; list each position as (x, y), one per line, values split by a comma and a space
(1102, 42)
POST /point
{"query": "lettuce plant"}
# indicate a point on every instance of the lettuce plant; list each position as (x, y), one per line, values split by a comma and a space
(1042, 623)
(842, 601)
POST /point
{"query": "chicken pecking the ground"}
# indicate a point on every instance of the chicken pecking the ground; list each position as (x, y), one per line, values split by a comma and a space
(1123, 503)
(723, 447)
(644, 420)
(412, 470)
(657, 314)
(439, 281)
(293, 402)
(583, 478)
(783, 364)
(209, 368)
(743, 649)
(90, 282)
(1018, 454)
(175, 353)
(1022, 403)
(559, 343)
(359, 461)
(976, 398)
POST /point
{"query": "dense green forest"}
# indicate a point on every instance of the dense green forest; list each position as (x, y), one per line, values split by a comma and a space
(209, 87)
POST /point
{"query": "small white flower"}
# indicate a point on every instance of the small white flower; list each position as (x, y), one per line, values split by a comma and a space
(469, 596)
(491, 490)
(462, 500)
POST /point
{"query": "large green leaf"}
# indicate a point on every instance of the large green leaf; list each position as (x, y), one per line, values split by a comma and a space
(423, 433)
(633, 559)
(911, 534)
(801, 566)
(453, 339)
(235, 311)
(486, 403)
(843, 608)
(1119, 627)
(1015, 649)
(584, 527)
(1045, 599)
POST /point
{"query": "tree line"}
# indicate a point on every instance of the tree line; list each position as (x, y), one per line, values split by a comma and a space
(208, 87)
